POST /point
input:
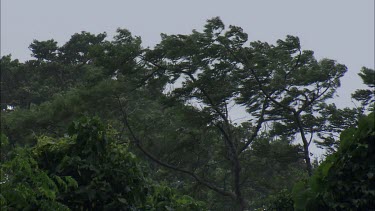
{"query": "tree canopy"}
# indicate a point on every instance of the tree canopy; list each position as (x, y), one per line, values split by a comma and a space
(157, 129)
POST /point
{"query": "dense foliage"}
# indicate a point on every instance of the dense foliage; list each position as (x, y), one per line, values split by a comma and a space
(345, 180)
(86, 170)
(172, 107)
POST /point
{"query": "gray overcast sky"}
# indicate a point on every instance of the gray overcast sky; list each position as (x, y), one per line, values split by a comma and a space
(338, 29)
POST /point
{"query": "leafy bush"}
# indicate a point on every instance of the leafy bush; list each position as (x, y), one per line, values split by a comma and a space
(86, 170)
(346, 179)
(281, 201)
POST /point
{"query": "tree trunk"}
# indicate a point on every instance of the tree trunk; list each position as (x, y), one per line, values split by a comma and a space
(305, 144)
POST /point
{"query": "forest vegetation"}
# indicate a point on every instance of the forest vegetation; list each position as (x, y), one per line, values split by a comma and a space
(107, 124)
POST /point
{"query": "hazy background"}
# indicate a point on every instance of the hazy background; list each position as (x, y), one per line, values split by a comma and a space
(337, 29)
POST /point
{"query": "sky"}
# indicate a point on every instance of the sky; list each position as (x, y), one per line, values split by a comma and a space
(342, 30)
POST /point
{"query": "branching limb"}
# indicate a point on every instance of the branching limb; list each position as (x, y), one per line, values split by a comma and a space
(257, 128)
(167, 165)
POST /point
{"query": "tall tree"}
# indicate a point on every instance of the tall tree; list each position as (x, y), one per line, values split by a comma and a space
(280, 84)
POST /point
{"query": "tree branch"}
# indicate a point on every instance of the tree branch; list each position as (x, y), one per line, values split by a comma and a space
(257, 128)
(258, 80)
(166, 165)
